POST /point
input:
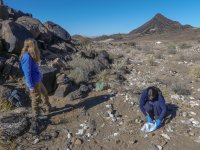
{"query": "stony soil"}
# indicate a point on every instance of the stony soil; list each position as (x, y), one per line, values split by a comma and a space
(111, 119)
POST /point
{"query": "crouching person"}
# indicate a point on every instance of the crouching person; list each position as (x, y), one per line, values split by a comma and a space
(30, 56)
(152, 105)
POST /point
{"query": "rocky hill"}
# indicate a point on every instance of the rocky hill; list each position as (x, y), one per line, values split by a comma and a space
(159, 24)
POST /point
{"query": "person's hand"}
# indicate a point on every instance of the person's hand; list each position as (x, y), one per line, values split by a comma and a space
(32, 90)
(158, 123)
(149, 119)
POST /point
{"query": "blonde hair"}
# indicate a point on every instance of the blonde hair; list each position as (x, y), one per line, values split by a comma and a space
(31, 46)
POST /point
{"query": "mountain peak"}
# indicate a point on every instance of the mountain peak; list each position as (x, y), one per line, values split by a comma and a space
(159, 15)
(158, 24)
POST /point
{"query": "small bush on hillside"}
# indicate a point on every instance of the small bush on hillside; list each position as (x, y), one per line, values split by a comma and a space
(171, 49)
(152, 62)
(159, 55)
(180, 88)
(84, 41)
(79, 75)
(195, 71)
(5, 106)
(184, 46)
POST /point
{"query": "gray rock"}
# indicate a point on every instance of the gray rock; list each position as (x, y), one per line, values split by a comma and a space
(49, 78)
(2, 62)
(58, 31)
(38, 30)
(13, 125)
(62, 90)
(4, 14)
(13, 36)
(4, 93)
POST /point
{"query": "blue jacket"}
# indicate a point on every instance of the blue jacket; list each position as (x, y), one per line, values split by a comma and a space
(160, 98)
(31, 70)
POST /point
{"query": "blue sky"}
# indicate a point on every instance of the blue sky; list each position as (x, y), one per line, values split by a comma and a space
(100, 17)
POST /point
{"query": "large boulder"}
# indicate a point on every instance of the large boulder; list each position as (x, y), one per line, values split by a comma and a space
(58, 31)
(49, 78)
(13, 36)
(11, 68)
(2, 62)
(5, 93)
(1, 44)
(12, 126)
(16, 13)
(4, 14)
(38, 30)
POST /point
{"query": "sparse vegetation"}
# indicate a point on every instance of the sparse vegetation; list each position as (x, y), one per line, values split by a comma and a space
(159, 55)
(180, 88)
(184, 45)
(84, 41)
(195, 71)
(152, 62)
(5, 106)
(172, 49)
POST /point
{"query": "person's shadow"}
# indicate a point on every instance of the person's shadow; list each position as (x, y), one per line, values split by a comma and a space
(171, 112)
(85, 103)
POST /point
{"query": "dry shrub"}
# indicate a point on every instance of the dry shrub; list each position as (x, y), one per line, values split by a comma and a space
(159, 55)
(83, 68)
(195, 71)
(180, 88)
(182, 58)
(152, 62)
(184, 45)
(84, 41)
(5, 106)
(171, 49)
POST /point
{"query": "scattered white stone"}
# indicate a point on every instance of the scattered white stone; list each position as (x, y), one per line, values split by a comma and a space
(69, 135)
(165, 136)
(159, 147)
(116, 134)
(198, 90)
(197, 140)
(80, 132)
(184, 114)
(192, 98)
(36, 141)
(176, 97)
(194, 103)
(158, 42)
(169, 129)
(191, 113)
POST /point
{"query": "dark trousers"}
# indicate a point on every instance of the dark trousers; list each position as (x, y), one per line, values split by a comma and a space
(153, 109)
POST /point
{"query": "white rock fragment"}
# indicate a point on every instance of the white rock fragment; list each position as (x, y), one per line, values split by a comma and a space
(80, 132)
(116, 134)
(69, 135)
(192, 98)
(176, 97)
(36, 141)
(191, 113)
(193, 103)
(169, 129)
(159, 147)
(165, 136)
(184, 114)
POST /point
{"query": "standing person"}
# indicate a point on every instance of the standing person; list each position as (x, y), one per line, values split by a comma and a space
(30, 57)
(152, 105)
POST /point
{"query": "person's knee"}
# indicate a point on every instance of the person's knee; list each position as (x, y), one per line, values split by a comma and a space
(148, 108)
